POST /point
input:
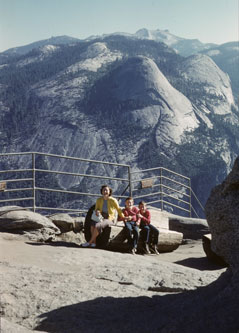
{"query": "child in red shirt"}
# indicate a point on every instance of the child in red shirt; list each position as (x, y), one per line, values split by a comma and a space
(132, 222)
(150, 233)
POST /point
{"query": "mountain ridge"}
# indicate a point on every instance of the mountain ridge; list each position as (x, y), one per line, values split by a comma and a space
(158, 35)
(123, 100)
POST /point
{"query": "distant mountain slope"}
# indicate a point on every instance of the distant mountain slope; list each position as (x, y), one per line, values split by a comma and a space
(120, 99)
(183, 46)
(20, 50)
(226, 56)
(137, 93)
(200, 69)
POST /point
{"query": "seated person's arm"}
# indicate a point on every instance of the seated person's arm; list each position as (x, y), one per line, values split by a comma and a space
(146, 218)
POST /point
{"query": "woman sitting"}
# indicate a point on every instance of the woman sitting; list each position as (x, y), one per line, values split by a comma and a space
(106, 207)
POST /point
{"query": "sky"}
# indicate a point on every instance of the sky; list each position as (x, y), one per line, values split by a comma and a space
(25, 21)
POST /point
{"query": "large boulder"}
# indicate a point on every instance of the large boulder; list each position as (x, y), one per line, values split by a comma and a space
(35, 226)
(212, 256)
(24, 220)
(222, 213)
(63, 221)
(78, 224)
(70, 238)
(66, 223)
(192, 228)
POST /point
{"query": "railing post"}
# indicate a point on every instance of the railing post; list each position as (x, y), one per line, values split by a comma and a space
(161, 189)
(34, 182)
(190, 199)
(130, 182)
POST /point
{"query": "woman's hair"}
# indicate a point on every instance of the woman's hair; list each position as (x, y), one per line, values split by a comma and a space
(103, 186)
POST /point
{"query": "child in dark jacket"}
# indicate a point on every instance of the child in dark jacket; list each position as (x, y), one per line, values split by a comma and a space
(150, 233)
(132, 222)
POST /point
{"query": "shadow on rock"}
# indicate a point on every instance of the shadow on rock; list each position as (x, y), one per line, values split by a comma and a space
(57, 243)
(208, 309)
(202, 264)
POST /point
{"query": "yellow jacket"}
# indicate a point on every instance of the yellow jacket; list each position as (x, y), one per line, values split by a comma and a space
(112, 205)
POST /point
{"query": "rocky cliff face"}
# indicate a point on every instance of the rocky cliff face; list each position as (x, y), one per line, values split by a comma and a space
(121, 100)
(227, 58)
(222, 209)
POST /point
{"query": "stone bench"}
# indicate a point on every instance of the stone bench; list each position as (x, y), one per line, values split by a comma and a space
(168, 240)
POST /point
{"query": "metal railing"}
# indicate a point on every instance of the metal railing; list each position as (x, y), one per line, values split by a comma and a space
(166, 189)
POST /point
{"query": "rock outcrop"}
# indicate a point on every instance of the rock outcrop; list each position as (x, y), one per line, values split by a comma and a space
(61, 287)
(66, 223)
(191, 228)
(211, 255)
(63, 221)
(54, 292)
(222, 212)
(19, 220)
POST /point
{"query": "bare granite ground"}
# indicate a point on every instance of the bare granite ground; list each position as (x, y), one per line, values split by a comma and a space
(60, 287)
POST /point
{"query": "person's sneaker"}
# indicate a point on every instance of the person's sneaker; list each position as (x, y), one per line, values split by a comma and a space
(154, 249)
(146, 249)
(93, 245)
(87, 244)
(133, 251)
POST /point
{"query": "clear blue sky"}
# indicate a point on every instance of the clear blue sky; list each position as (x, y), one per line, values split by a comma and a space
(26, 21)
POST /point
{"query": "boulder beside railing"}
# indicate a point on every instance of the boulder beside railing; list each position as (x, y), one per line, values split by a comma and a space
(19, 220)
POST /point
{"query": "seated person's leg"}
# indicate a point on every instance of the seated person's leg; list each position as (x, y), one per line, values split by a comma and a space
(136, 235)
(155, 234)
(130, 235)
(94, 236)
(146, 231)
(92, 227)
(99, 227)
(129, 229)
